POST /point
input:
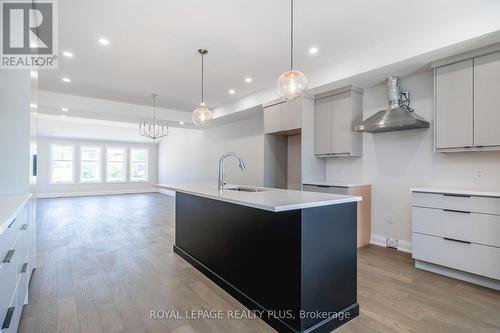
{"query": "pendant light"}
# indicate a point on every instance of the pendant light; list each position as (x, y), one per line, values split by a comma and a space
(202, 115)
(154, 129)
(292, 83)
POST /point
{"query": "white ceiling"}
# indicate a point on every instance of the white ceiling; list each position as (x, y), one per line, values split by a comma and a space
(153, 43)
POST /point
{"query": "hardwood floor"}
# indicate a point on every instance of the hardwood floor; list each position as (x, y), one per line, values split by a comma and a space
(105, 262)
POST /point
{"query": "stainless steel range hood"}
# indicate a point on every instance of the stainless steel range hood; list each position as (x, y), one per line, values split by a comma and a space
(399, 116)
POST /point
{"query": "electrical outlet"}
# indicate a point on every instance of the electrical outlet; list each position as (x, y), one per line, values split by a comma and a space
(388, 218)
(391, 242)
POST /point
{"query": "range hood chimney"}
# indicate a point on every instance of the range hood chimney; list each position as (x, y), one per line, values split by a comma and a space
(399, 116)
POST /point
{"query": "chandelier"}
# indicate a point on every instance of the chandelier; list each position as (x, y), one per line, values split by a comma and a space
(153, 129)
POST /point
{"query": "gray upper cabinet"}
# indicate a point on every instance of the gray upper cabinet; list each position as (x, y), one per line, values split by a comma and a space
(283, 117)
(292, 115)
(486, 100)
(322, 125)
(466, 105)
(334, 119)
(454, 106)
(272, 118)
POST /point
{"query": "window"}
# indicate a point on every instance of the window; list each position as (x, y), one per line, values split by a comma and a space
(138, 165)
(90, 164)
(115, 165)
(61, 164)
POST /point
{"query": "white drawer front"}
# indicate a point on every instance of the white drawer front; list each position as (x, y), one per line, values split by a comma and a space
(473, 258)
(472, 227)
(486, 205)
(327, 189)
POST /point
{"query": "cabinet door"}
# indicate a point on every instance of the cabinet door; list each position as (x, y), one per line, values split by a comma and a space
(272, 118)
(291, 115)
(341, 123)
(453, 103)
(486, 100)
(322, 125)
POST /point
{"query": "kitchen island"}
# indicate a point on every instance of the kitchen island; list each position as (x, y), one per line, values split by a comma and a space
(288, 255)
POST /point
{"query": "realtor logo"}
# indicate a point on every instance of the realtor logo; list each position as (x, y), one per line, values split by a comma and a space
(29, 34)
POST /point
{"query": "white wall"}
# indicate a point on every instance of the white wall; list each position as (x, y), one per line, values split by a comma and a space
(188, 155)
(15, 93)
(46, 189)
(395, 161)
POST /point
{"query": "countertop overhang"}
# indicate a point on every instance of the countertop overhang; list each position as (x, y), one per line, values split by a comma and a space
(270, 199)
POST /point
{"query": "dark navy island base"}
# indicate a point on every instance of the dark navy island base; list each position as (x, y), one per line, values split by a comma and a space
(297, 266)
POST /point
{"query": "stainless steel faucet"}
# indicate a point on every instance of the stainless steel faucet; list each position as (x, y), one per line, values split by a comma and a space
(220, 183)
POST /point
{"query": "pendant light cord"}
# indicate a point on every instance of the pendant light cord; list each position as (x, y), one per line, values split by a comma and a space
(291, 34)
(202, 77)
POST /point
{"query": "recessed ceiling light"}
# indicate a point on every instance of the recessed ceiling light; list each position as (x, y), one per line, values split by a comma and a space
(66, 79)
(313, 50)
(103, 41)
(68, 54)
(64, 109)
(248, 80)
(231, 91)
(33, 105)
(181, 123)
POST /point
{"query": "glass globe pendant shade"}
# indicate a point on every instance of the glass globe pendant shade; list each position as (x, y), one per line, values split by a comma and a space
(292, 84)
(202, 116)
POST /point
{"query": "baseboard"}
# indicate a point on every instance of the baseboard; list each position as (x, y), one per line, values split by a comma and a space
(404, 246)
(93, 193)
(167, 192)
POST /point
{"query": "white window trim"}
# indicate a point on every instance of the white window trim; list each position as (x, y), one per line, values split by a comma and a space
(72, 181)
(130, 165)
(125, 166)
(80, 164)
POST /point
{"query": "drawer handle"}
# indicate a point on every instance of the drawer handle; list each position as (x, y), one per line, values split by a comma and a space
(11, 223)
(324, 186)
(25, 267)
(8, 317)
(457, 211)
(457, 195)
(456, 240)
(24, 227)
(9, 256)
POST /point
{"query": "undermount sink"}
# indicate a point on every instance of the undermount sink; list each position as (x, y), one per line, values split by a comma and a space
(244, 189)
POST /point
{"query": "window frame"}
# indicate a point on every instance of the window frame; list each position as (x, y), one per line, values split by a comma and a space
(146, 162)
(125, 180)
(51, 161)
(99, 164)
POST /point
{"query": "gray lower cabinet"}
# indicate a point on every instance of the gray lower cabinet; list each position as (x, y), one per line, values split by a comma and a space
(335, 114)
(17, 252)
(467, 115)
(457, 235)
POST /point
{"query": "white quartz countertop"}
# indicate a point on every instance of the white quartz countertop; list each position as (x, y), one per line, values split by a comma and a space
(337, 184)
(456, 191)
(10, 205)
(271, 199)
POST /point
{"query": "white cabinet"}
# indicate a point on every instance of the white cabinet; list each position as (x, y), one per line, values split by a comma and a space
(486, 100)
(335, 114)
(283, 117)
(453, 102)
(467, 109)
(458, 235)
(17, 253)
